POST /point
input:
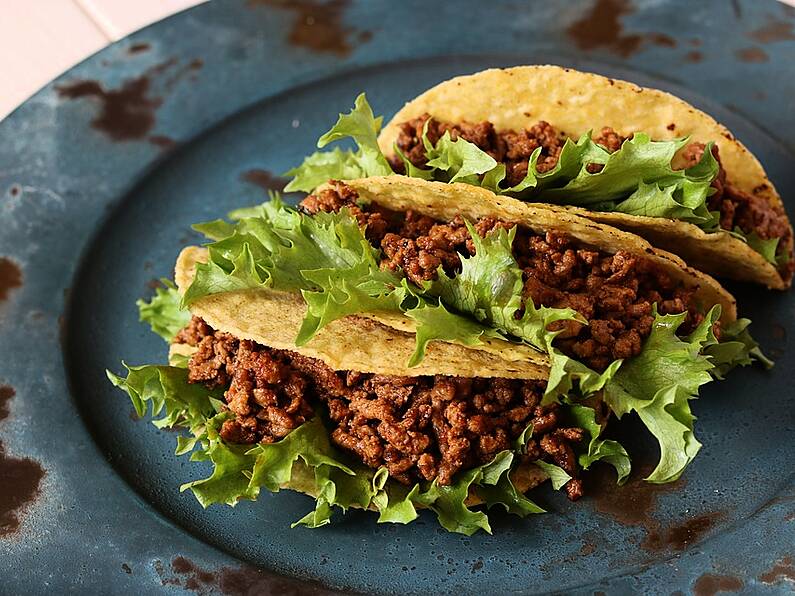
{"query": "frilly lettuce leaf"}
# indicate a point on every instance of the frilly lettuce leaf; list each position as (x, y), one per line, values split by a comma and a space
(240, 471)
(359, 125)
(658, 384)
(459, 160)
(598, 449)
(394, 502)
(639, 159)
(557, 475)
(163, 313)
(736, 348)
(489, 289)
(492, 481)
(686, 202)
(436, 323)
(276, 247)
(767, 248)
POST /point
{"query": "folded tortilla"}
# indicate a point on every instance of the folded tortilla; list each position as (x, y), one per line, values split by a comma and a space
(578, 102)
(374, 343)
(445, 201)
(365, 344)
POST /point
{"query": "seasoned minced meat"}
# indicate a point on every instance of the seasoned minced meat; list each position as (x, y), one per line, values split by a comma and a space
(742, 210)
(420, 428)
(340, 195)
(615, 293)
(737, 208)
(512, 148)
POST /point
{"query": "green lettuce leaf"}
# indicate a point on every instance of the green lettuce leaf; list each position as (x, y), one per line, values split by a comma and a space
(229, 481)
(165, 390)
(686, 202)
(766, 248)
(276, 247)
(736, 348)
(395, 502)
(557, 475)
(489, 288)
(599, 449)
(362, 127)
(658, 384)
(489, 480)
(163, 312)
(459, 160)
(506, 495)
(639, 159)
(305, 458)
(436, 323)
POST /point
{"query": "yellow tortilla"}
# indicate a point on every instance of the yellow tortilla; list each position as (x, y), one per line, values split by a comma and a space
(354, 343)
(363, 344)
(444, 201)
(576, 102)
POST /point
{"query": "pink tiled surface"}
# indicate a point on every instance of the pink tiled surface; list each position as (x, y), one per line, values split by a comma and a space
(117, 18)
(39, 39)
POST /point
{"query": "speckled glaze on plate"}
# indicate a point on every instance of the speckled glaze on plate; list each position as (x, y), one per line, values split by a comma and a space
(102, 172)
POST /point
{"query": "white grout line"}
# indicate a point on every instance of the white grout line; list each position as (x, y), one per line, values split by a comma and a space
(104, 24)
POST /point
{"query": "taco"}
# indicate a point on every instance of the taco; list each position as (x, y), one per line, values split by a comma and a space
(394, 343)
(635, 158)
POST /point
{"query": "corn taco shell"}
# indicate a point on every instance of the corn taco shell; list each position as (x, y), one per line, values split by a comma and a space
(577, 102)
(377, 344)
(445, 201)
(355, 343)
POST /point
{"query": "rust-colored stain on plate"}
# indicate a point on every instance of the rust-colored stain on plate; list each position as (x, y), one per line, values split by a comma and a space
(601, 27)
(20, 478)
(662, 39)
(231, 581)
(128, 113)
(710, 584)
(634, 504)
(264, 179)
(774, 30)
(318, 26)
(138, 48)
(162, 141)
(694, 57)
(125, 114)
(682, 535)
(631, 504)
(752, 54)
(10, 277)
(782, 570)
(6, 393)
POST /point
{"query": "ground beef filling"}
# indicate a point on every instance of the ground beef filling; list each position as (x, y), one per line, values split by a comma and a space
(420, 428)
(614, 292)
(737, 208)
(748, 212)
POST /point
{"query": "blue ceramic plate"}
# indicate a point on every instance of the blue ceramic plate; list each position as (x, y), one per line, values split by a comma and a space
(103, 171)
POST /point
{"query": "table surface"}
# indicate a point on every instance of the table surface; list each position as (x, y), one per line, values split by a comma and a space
(41, 39)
